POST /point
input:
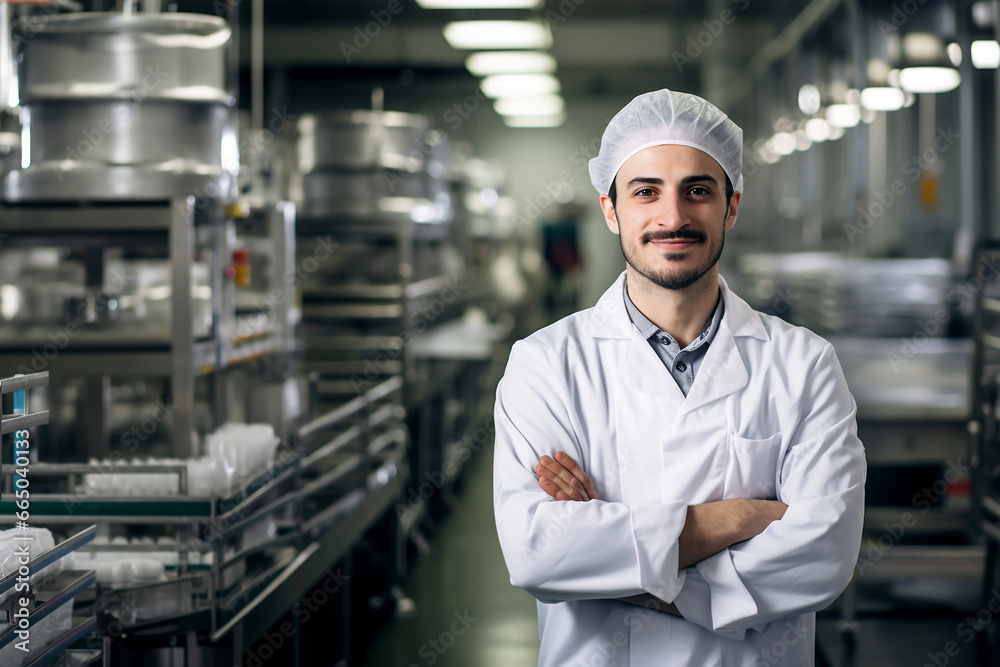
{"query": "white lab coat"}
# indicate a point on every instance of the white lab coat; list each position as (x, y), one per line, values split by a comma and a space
(769, 416)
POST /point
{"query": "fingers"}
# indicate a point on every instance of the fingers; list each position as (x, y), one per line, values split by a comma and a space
(568, 483)
(567, 462)
(550, 487)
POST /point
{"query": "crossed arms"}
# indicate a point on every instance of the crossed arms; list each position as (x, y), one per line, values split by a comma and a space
(708, 529)
(728, 566)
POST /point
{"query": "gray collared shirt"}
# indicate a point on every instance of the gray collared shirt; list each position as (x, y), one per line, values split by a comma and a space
(683, 364)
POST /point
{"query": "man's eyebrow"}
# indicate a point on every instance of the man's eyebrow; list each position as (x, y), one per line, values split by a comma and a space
(649, 180)
(700, 177)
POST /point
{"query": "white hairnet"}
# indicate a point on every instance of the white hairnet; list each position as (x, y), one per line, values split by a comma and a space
(668, 117)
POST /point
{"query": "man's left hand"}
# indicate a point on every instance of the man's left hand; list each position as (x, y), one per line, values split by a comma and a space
(563, 479)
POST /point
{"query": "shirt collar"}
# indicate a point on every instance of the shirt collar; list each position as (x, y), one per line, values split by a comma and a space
(647, 329)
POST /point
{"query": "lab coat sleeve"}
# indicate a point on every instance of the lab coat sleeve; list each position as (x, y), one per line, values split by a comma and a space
(569, 550)
(804, 561)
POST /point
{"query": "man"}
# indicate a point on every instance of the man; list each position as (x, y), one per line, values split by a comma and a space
(728, 492)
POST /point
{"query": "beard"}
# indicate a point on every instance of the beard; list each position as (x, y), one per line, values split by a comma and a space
(672, 280)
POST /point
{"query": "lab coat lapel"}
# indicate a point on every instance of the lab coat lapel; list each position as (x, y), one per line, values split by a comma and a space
(722, 372)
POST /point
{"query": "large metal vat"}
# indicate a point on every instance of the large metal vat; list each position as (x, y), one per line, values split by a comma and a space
(368, 163)
(362, 140)
(125, 107)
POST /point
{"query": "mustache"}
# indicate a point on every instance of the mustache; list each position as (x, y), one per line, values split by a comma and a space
(680, 234)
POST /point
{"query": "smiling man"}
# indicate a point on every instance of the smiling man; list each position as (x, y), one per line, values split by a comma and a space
(677, 478)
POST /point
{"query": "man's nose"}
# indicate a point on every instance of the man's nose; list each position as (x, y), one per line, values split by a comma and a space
(670, 214)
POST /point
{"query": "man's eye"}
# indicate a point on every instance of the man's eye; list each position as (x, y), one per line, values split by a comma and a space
(698, 191)
(644, 192)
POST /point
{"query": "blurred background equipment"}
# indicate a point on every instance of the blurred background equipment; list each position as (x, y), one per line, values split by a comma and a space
(261, 266)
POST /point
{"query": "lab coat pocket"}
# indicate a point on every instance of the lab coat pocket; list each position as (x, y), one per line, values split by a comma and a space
(752, 467)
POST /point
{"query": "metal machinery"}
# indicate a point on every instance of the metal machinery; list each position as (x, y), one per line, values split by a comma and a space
(162, 312)
(984, 426)
(52, 589)
(889, 321)
(390, 298)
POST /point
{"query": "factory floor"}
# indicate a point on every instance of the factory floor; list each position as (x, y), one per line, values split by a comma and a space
(467, 613)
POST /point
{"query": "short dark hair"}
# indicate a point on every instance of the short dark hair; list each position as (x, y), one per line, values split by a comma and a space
(613, 192)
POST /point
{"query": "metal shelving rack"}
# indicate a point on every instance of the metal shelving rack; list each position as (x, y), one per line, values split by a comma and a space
(984, 426)
(346, 469)
(176, 228)
(48, 593)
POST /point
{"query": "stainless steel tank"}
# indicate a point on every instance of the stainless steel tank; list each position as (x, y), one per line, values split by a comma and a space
(125, 107)
(369, 163)
(362, 140)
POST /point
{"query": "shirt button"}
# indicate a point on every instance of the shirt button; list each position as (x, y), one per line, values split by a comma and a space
(681, 366)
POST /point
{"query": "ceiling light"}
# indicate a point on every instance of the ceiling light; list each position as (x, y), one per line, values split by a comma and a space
(809, 99)
(543, 105)
(877, 70)
(836, 133)
(929, 79)
(520, 85)
(544, 120)
(922, 46)
(955, 54)
(782, 143)
(843, 115)
(880, 98)
(817, 129)
(802, 141)
(480, 4)
(498, 35)
(510, 62)
(985, 54)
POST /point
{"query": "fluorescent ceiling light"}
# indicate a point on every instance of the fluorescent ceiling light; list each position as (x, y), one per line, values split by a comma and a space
(547, 120)
(955, 54)
(520, 85)
(802, 141)
(985, 54)
(929, 79)
(510, 62)
(882, 98)
(809, 99)
(480, 4)
(843, 115)
(817, 129)
(498, 35)
(544, 105)
(782, 143)
(922, 46)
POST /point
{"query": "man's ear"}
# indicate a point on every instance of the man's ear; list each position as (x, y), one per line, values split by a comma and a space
(734, 205)
(610, 216)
